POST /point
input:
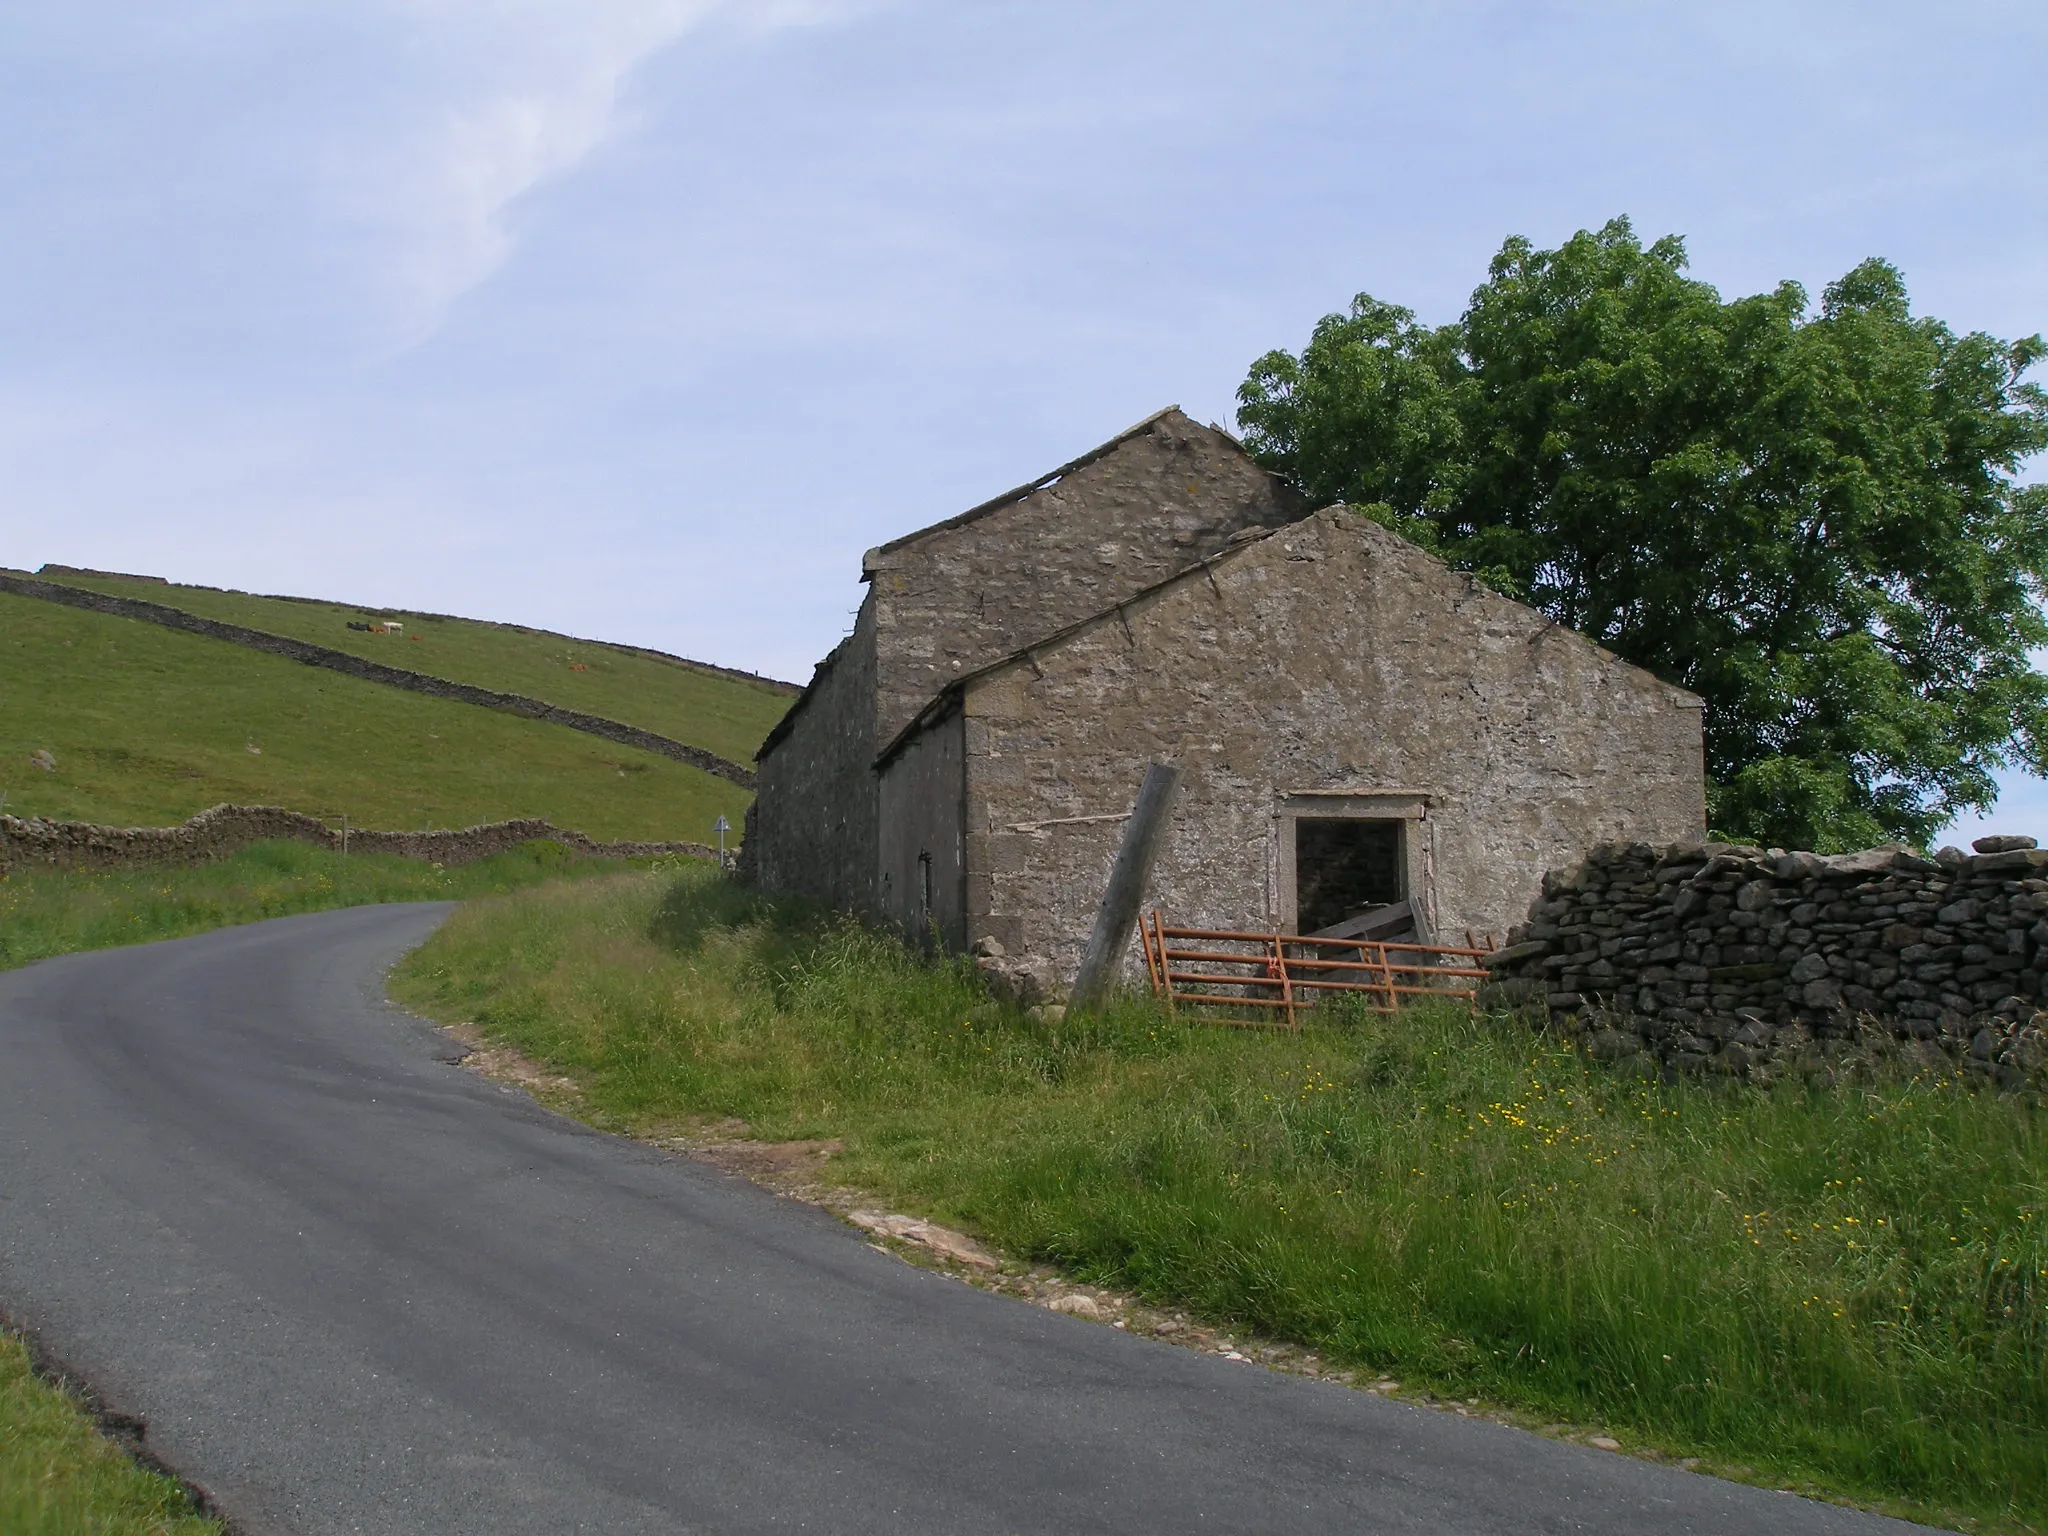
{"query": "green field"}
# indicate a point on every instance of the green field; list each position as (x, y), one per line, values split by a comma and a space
(45, 912)
(1844, 1291)
(141, 725)
(149, 725)
(725, 715)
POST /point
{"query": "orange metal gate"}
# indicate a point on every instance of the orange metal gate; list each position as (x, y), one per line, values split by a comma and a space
(1276, 975)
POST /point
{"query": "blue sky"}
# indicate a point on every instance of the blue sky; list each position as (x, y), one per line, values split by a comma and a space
(643, 318)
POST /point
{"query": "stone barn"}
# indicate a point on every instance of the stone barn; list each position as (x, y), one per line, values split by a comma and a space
(960, 594)
(1356, 724)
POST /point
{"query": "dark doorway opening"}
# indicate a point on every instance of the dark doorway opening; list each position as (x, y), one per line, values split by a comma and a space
(1342, 866)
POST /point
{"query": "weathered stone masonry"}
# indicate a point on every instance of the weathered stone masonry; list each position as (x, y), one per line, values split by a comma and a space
(1328, 669)
(1357, 725)
(959, 594)
(818, 835)
(1752, 962)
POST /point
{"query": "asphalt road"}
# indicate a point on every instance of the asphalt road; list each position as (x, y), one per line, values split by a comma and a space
(353, 1288)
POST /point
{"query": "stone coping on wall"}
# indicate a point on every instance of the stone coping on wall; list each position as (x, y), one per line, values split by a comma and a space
(347, 662)
(226, 829)
(1753, 962)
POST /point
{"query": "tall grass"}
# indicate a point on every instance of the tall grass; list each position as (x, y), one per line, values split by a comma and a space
(59, 1478)
(1847, 1287)
(46, 912)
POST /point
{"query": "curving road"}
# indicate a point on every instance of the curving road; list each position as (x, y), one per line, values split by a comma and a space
(353, 1289)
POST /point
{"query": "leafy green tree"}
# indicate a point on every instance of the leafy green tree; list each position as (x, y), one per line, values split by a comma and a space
(1812, 519)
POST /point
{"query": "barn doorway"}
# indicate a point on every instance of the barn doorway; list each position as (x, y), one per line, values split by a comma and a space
(1345, 865)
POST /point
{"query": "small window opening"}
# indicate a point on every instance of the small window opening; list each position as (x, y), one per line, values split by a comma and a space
(1344, 866)
(924, 888)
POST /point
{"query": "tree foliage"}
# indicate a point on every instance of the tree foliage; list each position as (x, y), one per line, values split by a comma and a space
(1811, 519)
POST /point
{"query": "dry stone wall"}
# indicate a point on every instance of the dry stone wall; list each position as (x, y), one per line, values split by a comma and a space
(226, 829)
(667, 658)
(376, 672)
(1754, 963)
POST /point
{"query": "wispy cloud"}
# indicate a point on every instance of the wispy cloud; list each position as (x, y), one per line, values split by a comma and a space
(497, 98)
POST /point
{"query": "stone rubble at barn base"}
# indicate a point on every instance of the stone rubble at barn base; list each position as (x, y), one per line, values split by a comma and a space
(1756, 963)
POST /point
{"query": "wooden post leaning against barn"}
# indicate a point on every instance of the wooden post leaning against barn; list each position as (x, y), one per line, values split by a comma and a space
(1119, 911)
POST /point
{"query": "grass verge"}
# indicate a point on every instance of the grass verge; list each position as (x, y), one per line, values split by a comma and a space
(47, 912)
(60, 1477)
(1844, 1292)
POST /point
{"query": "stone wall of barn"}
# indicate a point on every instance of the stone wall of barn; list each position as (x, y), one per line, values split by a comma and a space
(1329, 663)
(1752, 963)
(921, 889)
(965, 594)
(812, 828)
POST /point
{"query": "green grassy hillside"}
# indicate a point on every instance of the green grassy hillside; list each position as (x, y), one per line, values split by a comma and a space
(726, 715)
(148, 725)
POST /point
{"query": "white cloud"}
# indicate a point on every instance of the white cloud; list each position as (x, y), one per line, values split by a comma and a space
(494, 99)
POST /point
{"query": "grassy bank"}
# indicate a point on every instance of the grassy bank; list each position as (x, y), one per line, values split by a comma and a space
(59, 1477)
(723, 714)
(144, 726)
(52, 912)
(1844, 1291)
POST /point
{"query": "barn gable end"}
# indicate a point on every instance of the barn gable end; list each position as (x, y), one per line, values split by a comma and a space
(1329, 691)
(955, 596)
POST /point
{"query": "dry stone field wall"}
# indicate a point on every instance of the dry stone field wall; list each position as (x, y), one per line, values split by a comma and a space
(226, 829)
(1758, 963)
(376, 672)
(57, 573)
